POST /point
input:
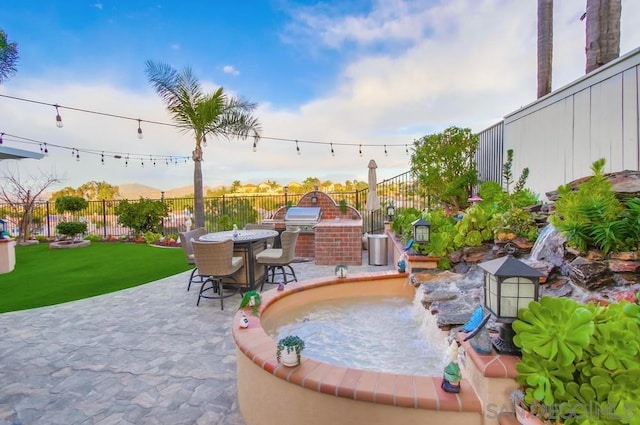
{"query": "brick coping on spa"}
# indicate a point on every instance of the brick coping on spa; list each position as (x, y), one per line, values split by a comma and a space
(413, 391)
(492, 365)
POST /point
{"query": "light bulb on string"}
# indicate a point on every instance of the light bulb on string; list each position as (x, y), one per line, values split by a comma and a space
(102, 158)
(1, 134)
(360, 150)
(58, 117)
(166, 161)
(204, 141)
(332, 151)
(46, 150)
(141, 162)
(77, 155)
(140, 136)
(406, 150)
(73, 151)
(297, 148)
(255, 146)
(385, 151)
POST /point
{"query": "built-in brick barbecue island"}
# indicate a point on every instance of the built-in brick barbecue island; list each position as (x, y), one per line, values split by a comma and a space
(327, 234)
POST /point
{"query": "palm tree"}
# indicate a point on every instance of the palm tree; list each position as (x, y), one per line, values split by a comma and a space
(203, 114)
(545, 46)
(603, 32)
(8, 57)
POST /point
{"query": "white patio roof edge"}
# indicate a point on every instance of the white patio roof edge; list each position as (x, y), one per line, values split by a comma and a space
(13, 153)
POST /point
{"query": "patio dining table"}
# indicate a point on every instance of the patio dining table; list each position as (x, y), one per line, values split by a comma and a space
(247, 243)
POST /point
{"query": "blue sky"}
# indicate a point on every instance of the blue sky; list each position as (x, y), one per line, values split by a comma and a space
(356, 72)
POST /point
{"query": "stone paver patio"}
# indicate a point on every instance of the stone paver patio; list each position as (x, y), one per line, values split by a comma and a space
(145, 355)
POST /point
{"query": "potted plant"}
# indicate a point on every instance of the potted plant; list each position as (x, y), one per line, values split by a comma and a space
(580, 362)
(289, 349)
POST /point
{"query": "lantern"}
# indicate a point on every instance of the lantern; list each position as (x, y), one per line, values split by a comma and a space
(391, 211)
(421, 230)
(509, 285)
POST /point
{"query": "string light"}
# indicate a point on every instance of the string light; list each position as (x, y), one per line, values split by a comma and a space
(297, 148)
(385, 151)
(360, 150)
(332, 152)
(102, 158)
(406, 150)
(1, 134)
(204, 141)
(126, 161)
(46, 150)
(140, 120)
(58, 117)
(139, 130)
(77, 156)
(255, 146)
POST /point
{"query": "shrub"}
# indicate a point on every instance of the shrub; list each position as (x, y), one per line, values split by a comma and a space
(151, 237)
(71, 203)
(71, 228)
(142, 216)
(93, 238)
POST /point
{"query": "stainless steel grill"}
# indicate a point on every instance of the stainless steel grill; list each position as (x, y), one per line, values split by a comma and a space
(304, 218)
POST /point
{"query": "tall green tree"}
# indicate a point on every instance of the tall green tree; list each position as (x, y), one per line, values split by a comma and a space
(201, 114)
(602, 32)
(8, 57)
(445, 165)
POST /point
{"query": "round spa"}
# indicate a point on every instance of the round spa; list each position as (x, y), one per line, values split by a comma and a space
(321, 390)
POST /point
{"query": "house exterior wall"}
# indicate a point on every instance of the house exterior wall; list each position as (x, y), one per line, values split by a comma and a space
(560, 135)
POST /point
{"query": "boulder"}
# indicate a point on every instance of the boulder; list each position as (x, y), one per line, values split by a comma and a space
(590, 274)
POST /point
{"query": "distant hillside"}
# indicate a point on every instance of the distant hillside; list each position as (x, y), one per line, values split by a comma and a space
(136, 191)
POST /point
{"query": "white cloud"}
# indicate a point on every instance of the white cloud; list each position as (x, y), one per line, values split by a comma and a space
(175, 46)
(98, 5)
(229, 69)
(463, 62)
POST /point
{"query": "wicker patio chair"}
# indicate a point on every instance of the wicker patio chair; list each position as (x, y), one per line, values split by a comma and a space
(185, 241)
(276, 259)
(215, 262)
(271, 242)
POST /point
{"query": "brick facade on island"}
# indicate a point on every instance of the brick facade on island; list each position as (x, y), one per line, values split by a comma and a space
(338, 236)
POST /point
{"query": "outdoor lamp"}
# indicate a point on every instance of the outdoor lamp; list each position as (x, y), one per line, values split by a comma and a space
(421, 230)
(314, 197)
(509, 285)
(391, 211)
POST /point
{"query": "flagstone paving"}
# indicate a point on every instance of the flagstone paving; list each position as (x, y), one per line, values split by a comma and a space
(145, 355)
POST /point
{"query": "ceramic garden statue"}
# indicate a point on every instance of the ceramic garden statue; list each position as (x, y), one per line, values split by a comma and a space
(451, 376)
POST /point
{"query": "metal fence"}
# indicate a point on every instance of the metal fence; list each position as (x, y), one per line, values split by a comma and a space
(221, 212)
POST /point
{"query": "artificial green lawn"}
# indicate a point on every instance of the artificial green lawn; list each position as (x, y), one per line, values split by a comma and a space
(44, 276)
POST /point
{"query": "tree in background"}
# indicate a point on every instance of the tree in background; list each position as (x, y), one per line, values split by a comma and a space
(72, 204)
(545, 46)
(602, 32)
(8, 57)
(445, 165)
(22, 196)
(91, 191)
(202, 114)
(142, 216)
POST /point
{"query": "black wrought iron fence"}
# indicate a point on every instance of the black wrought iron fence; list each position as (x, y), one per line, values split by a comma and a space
(221, 212)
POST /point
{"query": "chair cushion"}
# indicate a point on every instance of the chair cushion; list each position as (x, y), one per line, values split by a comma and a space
(235, 261)
(269, 255)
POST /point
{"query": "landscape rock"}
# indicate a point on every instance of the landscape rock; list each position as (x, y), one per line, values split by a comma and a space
(590, 274)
